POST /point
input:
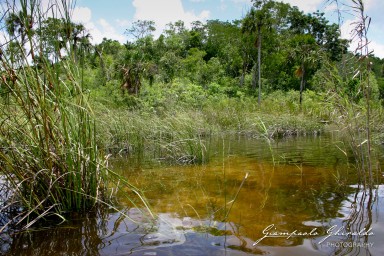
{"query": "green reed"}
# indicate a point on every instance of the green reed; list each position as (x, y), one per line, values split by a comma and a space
(178, 137)
(358, 118)
(48, 155)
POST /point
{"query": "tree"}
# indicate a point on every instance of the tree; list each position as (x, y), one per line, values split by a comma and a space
(52, 36)
(259, 20)
(327, 36)
(312, 38)
(141, 29)
(138, 59)
(105, 57)
(80, 40)
(194, 63)
(169, 64)
(306, 53)
(177, 38)
(196, 36)
(17, 25)
(224, 41)
(55, 35)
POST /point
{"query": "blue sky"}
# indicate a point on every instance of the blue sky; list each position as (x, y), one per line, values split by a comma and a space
(111, 18)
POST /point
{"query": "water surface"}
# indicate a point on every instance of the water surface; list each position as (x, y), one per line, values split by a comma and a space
(299, 186)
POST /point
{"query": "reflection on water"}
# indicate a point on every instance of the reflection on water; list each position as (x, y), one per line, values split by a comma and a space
(361, 228)
(197, 213)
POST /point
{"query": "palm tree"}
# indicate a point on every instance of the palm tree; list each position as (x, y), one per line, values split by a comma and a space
(305, 52)
(80, 39)
(258, 19)
(17, 25)
(251, 24)
(14, 25)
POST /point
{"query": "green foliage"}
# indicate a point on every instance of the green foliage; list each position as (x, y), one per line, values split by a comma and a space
(141, 29)
(49, 154)
(170, 64)
(224, 53)
(183, 115)
(165, 96)
(174, 136)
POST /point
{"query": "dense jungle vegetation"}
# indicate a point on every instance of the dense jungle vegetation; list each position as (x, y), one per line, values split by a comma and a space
(277, 64)
(276, 53)
(67, 104)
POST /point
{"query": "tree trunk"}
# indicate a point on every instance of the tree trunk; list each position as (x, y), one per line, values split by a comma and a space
(104, 74)
(302, 83)
(243, 72)
(259, 62)
(254, 77)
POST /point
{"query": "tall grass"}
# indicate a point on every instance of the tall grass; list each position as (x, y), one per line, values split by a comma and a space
(356, 116)
(180, 134)
(176, 137)
(49, 155)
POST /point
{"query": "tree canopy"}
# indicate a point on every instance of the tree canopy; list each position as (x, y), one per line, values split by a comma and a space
(275, 46)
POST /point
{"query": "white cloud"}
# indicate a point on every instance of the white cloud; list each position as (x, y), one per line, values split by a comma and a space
(102, 28)
(332, 7)
(3, 37)
(163, 12)
(123, 23)
(81, 15)
(345, 6)
(241, 1)
(370, 4)
(308, 6)
(378, 49)
(347, 29)
(223, 5)
(109, 31)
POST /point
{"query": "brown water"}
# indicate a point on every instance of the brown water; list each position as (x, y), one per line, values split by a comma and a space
(225, 207)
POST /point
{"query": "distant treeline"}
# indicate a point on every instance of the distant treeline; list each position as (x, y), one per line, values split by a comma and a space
(274, 47)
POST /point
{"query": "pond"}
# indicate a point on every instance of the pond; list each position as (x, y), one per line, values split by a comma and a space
(295, 196)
